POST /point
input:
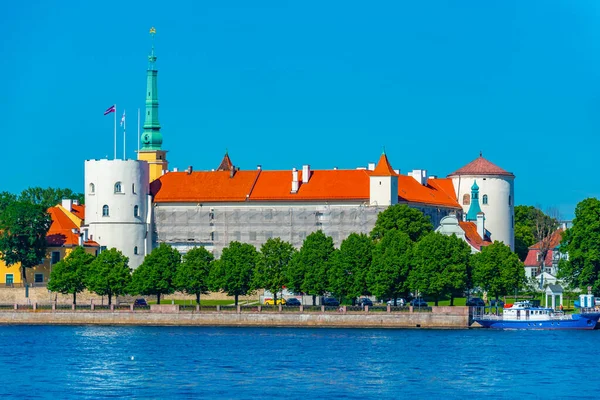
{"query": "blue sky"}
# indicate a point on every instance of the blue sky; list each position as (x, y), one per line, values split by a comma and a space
(283, 84)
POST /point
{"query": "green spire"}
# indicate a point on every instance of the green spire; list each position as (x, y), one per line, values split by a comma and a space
(151, 137)
(474, 209)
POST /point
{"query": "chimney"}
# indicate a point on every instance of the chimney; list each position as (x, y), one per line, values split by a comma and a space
(259, 167)
(174, 169)
(305, 173)
(67, 204)
(80, 239)
(480, 224)
(75, 202)
(231, 171)
(371, 166)
(420, 175)
(189, 170)
(295, 183)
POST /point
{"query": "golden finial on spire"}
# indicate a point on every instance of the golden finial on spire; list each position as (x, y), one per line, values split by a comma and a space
(152, 31)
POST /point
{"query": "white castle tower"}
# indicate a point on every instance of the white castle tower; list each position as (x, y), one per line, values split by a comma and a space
(117, 206)
(496, 192)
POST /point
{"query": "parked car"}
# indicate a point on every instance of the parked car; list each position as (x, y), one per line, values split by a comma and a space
(140, 303)
(365, 301)
(292, 302)
(271, 302)
(330, 302)
(475, 302)
(493, 302)
(400, 302)
(419, 302)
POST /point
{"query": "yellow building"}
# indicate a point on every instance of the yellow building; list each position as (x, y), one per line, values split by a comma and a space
(62, 237)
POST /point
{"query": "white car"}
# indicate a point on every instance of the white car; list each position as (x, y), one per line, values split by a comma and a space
(400, 302)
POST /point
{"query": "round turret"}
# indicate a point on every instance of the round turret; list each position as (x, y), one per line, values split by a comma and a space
(495, 194)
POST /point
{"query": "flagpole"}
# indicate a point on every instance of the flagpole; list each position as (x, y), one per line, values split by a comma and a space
(124, 133)
(115, 157)
(138, 137)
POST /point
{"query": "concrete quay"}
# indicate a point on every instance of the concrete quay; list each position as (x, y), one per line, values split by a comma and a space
(171, 315)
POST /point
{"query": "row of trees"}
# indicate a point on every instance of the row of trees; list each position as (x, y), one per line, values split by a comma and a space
(402, 255)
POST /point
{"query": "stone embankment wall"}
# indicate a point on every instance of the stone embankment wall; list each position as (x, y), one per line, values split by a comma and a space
(41, 295)
(169, 315)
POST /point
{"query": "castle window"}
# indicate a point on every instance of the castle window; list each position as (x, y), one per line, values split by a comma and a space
(135, 250)
(133, 188)
(92, 188)
(485, 199)
(136, 211)
(466, 200)
(105, 211)
(118, 187)
(509, 200)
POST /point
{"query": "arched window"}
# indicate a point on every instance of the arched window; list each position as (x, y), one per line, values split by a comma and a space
(466, 200)
(135, 250)
(136, 211)
(509, 199)
(118, 187)
(133, 188)
(484, 199)
(92, 188)
(105, 211)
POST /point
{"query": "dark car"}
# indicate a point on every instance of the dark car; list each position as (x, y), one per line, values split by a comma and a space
(292, 302)
(140, 303)
(364, 301)
(330, 302)
(418, 302)
(475, 302)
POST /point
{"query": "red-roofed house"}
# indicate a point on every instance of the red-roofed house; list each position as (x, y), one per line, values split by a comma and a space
(63, 235)
(535, 267)
(473, 233)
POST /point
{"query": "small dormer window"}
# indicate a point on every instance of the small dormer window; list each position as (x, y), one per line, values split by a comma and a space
(92, 188)
(485, 199)
(118, 188)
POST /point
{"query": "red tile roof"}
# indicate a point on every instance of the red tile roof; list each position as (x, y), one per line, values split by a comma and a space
(472, 236)
(383, 167)
(323, 184)
(203, 186)
(531, 259)
(78, 210)
(481, 166)
(61, 229)
(262, 185)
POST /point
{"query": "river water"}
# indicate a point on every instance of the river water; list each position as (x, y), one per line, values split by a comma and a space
(90, 362)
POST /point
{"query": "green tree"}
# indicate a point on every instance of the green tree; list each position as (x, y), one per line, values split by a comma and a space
(70, 274)
(313, 262)
(232, 273)
(109, 274)
(193, 273)
(391, 264)
(273, 262)
(497, 270)
(350, 265)
(440, 266)
(49, 197)
(582, 243)
(23, 229)
(403, 218)
(6, 198)
(155, 276)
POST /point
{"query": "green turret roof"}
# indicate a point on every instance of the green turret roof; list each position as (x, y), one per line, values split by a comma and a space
(474, 209)
(151, 137)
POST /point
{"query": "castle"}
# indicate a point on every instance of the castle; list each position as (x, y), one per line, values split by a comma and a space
(134, 205)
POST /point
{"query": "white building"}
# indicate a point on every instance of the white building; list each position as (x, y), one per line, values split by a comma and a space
(497, 196)
(118, 206)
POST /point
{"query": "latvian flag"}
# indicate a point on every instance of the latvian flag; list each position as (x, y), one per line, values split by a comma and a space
(110, 109)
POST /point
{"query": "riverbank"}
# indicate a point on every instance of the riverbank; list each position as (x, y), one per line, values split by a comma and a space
(172, 315)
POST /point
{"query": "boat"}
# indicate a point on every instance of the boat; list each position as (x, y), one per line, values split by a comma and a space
(524, 315)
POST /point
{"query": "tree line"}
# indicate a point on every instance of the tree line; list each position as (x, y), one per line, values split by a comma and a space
(402, 255)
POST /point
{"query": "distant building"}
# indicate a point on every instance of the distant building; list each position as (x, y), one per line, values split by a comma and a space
(64, 234)
(545, 269)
